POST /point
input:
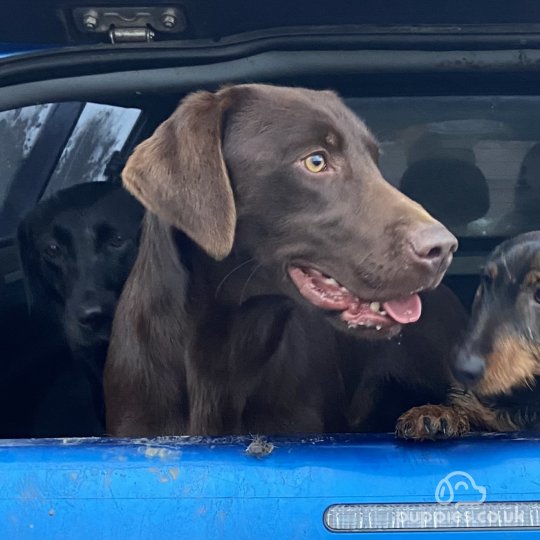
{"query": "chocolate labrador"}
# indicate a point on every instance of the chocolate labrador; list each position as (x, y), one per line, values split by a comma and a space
(77, 249)
(271, 246)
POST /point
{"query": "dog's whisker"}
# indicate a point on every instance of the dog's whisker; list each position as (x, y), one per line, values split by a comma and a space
(222, 282)
(247, 282)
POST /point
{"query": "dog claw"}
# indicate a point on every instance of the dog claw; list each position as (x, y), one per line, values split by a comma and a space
(431, 423)
(444, 427)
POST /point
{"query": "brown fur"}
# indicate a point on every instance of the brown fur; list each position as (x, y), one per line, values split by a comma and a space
(211, 335)
(197, 176)
(428, 421)
(463, 413)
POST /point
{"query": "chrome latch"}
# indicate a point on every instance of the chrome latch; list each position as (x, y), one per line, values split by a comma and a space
(131, 35)
(125, 24)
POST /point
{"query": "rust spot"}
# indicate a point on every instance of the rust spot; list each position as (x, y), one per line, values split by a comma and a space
(259, 447)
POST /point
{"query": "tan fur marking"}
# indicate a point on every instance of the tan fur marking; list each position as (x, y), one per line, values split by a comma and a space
(532, 278)
(512, 363)
(492, 271)
(480, 416)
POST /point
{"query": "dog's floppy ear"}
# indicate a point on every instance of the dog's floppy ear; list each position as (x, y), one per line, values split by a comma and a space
(179, 173)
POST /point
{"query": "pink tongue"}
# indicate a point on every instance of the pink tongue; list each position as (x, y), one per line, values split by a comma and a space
(407, 310)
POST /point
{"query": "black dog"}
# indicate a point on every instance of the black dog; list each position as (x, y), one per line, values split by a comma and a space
(271, 239)
(76, 250)
(499, 361)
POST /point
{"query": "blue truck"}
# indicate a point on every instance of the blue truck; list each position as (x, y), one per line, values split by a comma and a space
(435, 80)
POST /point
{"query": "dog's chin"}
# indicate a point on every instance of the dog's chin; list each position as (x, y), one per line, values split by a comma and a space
(87, 338)
(346, 311)
(377, 332)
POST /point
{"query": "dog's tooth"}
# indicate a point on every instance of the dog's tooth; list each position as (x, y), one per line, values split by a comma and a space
(375, 306)
(378, 327)
(343, 289)
(382, 312)
(331, 281)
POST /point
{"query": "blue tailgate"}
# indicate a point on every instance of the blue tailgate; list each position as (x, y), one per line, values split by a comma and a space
(213, 488)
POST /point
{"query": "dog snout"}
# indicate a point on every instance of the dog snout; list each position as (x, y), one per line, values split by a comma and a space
(469, 368)
(432, 245)
(92, 315)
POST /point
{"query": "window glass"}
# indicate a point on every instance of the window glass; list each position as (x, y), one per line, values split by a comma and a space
(100, 131)
(19, 130)
(473, 162)
(48, 147)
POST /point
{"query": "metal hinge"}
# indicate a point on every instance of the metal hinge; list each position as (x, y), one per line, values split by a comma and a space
(125, 24)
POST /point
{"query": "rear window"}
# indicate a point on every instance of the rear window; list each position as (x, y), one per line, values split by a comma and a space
(473, 162)
(48, 147)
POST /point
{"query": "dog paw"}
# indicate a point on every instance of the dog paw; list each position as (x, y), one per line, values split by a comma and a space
(432, 422)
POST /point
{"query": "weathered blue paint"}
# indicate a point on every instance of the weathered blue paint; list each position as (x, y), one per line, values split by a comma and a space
(212, 489)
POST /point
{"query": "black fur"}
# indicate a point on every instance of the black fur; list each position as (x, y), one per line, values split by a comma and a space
(76, 251)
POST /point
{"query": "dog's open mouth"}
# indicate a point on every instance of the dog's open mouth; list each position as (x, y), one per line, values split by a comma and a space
(325, 292)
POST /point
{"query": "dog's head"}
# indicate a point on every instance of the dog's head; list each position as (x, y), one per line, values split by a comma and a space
(77, 249)
(290, 177)
(502, 348)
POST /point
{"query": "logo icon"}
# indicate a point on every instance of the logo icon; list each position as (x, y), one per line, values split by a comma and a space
(459, 483)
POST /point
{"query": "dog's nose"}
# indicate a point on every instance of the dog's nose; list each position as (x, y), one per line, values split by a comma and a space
(469, 368)
(91, 315)
(431, 245)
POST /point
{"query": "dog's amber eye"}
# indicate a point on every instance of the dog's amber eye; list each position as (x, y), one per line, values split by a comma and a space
(537, 295)
(52, 250)
(315, 163)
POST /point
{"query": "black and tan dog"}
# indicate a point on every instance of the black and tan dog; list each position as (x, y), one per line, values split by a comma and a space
(499, 362)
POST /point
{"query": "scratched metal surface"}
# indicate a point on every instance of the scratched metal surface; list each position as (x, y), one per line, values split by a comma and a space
(217, 488)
